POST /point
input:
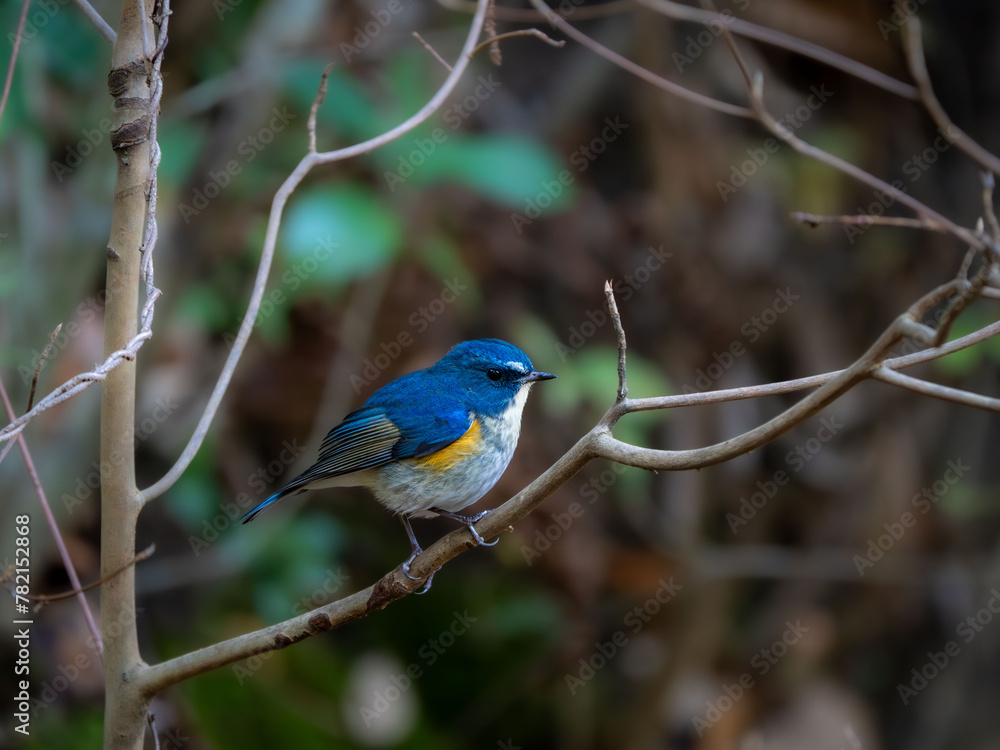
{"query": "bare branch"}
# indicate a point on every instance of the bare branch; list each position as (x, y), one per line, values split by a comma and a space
(637, 70)
(317, 103)
(95, 18)
(989, 214)
(755, 85)
(389, 588)
(616, 320)
(864, 220)
(13, 57)
(434, 53)
(511, 35)
(526, 15)
(954, 134)
(785, 41)
(41, 363)
(47, 598)
(936, 391)
(281, 197)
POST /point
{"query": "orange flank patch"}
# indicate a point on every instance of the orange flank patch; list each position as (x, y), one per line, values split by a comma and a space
(447, 458)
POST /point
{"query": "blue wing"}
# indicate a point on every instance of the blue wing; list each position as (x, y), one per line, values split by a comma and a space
(400, 420)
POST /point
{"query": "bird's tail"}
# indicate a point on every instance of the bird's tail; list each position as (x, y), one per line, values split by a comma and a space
(291, 488)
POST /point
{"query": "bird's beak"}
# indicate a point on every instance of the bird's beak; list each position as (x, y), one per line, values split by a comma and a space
(531, 377)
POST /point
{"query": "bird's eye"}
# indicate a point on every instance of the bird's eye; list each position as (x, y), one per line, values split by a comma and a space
(493, 374)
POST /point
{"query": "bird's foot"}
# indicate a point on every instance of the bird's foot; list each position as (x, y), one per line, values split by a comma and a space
(406, 572)
(467, 521)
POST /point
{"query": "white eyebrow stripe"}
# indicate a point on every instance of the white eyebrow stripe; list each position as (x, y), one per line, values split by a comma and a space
(516, 366)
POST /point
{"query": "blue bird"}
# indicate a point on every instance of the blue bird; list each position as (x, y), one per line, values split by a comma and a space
(431, 442)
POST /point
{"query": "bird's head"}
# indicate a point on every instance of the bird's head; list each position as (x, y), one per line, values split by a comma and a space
(494, 374)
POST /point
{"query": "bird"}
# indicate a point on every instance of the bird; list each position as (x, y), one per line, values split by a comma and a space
(431, 442)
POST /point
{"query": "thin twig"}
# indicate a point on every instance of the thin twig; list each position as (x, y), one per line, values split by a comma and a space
(74, 579)
(812, 381)
(317, 103)
(95, 18)
(48, 598)
(637, 70)
(511, 34)
(41, 362)
(785, 41)
(151, 721)
(936, 391)
(13, 57)
(755, 85)
(616, 321)
(989, 214)
(281, 197)
(490, 30)
(864, 220)
(434, 53)
(527, 15)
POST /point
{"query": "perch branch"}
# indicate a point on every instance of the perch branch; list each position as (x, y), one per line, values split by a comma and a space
(598, 443)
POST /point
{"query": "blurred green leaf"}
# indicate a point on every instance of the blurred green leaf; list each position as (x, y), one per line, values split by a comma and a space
(201, 304)
(181, 143)
(509, 169)
(337, 234)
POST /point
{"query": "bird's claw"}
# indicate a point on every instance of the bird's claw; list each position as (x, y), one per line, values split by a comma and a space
(406, 572)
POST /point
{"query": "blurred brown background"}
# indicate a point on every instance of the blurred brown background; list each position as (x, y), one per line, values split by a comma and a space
(782, 600)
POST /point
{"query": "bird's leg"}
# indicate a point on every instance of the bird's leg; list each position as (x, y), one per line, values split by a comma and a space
(467, 521)
(414, 551)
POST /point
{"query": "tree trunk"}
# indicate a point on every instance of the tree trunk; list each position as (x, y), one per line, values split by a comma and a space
(125, 708)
